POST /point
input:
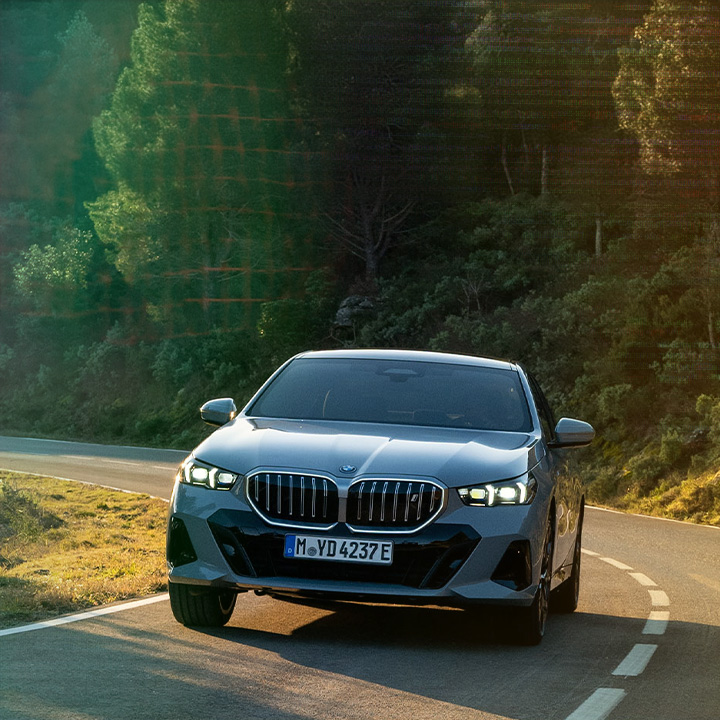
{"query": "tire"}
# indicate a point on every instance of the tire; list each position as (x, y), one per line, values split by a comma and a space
(199, 606)
(531, 620)
(565, 598)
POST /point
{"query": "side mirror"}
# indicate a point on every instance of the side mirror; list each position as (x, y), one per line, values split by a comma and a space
(572, 433)
(219, 411)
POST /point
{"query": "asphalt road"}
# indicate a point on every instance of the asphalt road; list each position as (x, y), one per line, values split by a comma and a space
(644, 644)
(136, 469)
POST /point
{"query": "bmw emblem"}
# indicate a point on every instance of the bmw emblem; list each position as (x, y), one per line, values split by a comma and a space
(348, 468)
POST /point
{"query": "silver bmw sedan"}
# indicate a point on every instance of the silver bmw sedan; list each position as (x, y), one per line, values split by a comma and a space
(383, 476)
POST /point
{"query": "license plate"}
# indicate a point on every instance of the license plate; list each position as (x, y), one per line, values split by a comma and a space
(373, 552)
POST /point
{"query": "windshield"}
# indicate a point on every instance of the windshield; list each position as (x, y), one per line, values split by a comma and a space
(389, 391)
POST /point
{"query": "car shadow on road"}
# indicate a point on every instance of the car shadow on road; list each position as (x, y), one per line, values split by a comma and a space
(401, 627)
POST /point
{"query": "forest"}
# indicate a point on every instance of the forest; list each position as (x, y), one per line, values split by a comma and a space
(192, 191)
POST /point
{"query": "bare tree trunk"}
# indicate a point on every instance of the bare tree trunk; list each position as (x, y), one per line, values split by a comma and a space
(370, 243)
(713, 245)
(526, 149)
(503, 158)
(371, 267)
(598, 234)
(544, 172)
(711, 328)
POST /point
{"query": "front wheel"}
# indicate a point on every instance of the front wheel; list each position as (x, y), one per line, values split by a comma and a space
(531, 620)
(201, 606)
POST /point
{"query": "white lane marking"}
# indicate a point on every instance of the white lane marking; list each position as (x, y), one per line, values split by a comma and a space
(643, 579)
(131, 463)
(657, 623)
(658, 597)
(636, 660)
(85, 615)
(599, 705)
(604, 700)
(616, 563)
(96, 445)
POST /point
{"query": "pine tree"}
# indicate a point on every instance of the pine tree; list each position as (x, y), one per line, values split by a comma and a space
(206, 219)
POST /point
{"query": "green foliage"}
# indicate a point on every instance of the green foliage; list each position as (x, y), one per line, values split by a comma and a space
(207, 219)
(58, 91)
(541, 75)
(667, 91)
(490, 292)
(63, 266)
(709, 409)
(668, 98)
(127, 222)
(289, 326)
(58, 284)
(644, 470)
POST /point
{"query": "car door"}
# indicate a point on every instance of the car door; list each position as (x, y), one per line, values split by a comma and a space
(567, 497)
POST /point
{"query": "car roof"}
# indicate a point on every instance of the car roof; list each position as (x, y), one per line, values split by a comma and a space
(411, 356)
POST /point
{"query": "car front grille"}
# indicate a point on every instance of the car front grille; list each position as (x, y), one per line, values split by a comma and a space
(393, 503)
(294, 498)
(371, 505)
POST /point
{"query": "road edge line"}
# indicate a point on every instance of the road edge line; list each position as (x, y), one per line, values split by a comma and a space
(97, 612)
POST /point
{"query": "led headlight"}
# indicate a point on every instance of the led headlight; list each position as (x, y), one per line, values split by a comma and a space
(518, 491)
(194, 472)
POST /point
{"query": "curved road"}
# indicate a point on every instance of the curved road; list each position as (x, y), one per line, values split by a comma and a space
(645, 642)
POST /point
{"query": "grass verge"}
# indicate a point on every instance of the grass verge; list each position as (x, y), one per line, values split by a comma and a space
(695, 499)
(67, 546)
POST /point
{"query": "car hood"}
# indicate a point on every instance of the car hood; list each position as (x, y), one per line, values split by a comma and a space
(454, 456)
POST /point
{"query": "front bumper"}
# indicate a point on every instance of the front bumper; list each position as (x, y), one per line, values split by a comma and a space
(468, 556)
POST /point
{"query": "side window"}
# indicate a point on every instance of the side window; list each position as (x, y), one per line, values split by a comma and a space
(547, 422)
